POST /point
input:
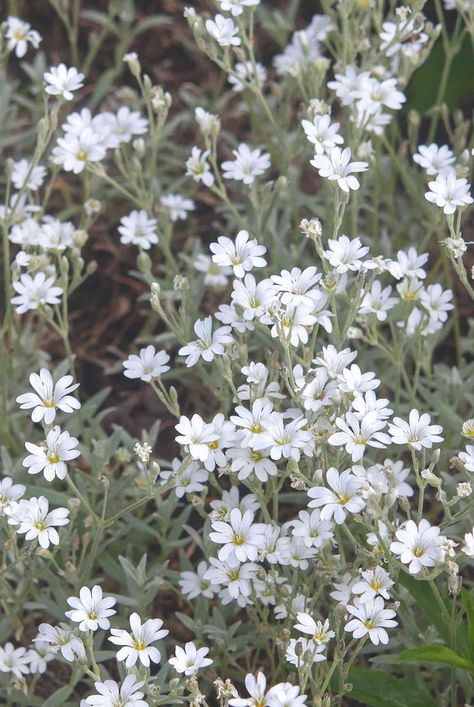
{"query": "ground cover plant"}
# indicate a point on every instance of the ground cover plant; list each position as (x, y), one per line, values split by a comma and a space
(236, 375)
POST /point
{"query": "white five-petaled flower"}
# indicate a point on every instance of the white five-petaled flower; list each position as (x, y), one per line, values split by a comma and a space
(417, 432)
(197, 435)
(136, 644)
(319, 632)
(448, 193)
(371, 619)
(9, 493)
(466, 457)
(345, 254)
(18, 34)
(322, 133)
(75, 151)
(373, 582)
(51, 457)
(138, 229)
(418, 545)
(35, 291)
(61, 639)
(49, 396)
(14, 660)
(63, 81)
(435, 159)
(356, 433)
(224, 31)
(198, 167)
(247, 164)
(241, 255)
(343, 496)
(256, 687)
(190, 659)
(91, 609)
(240, 536)
(147, 365)
(111, 694)
(25, 175)
(208, 344)
(36, 521)
(178, 206)
(337, 167)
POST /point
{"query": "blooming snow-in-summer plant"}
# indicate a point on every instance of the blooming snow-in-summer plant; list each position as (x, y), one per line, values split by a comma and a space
(271, 502)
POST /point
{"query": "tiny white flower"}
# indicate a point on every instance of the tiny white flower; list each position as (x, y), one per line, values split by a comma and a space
(342, 496)
(337, 167)
(419, 545)
(190, 659)
(91, 609)
(242, 255)
(63, 81)
(417, 432)
(178, 206)
(208, 345)
(247, 165)
(36, 521)
(18, 34)
(147, 365)
(49, 396)
(240, 537)
(138, 229)
(224, 31)
(34, 292)
(51, 457)
(371, 619)
(112, 694)
(136, 644)
(448, 193)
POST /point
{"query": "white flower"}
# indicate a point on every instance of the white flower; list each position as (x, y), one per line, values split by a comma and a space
(352, 380)
(357, 433)
(195, 584)
(247, 73)
(247, 165)
(51, 457)
(419, 545)
(138, 229)
(214, 276)
(74, 151)
(242, 255)
(448, 193)
(337, 167)
(334, 361)
(49, 396)
(208, 345)
(349, 85)
(240, 537)
(408, 264)
(236, 7)
(371, 619)
(322, 133)
(466, 457)
(23, 174)
(177, 205)
(343, 495)
(189, 660)
(252, 297)
(39, 658)
(147, 365)
(378, 301)
(363, 404)
(303, 651)
(246, 461)
(437, 301)
(18, 34)
(61, 639)
(187, 478)
(284, 694)
(63, 81)
(198, 167)
(36, 521)
(293, 321)
(224, 31)
(417, 432)
(283, 441)
(468, 547)
(235, 576)
(256, 688)
(34, 292)
(297, 286)
(91, 609)
(345, 254)
(136, 644)
(318, 631)
(111, 694)
(196, 435)
(312, 529)
(373, 582)
(9, 492)
(435, 159)
(14, 660)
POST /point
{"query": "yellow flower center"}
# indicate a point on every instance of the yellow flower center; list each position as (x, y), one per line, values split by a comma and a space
(53, 458)
(238, 539)
(419, 552)
(214, 445)
(40, 525)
